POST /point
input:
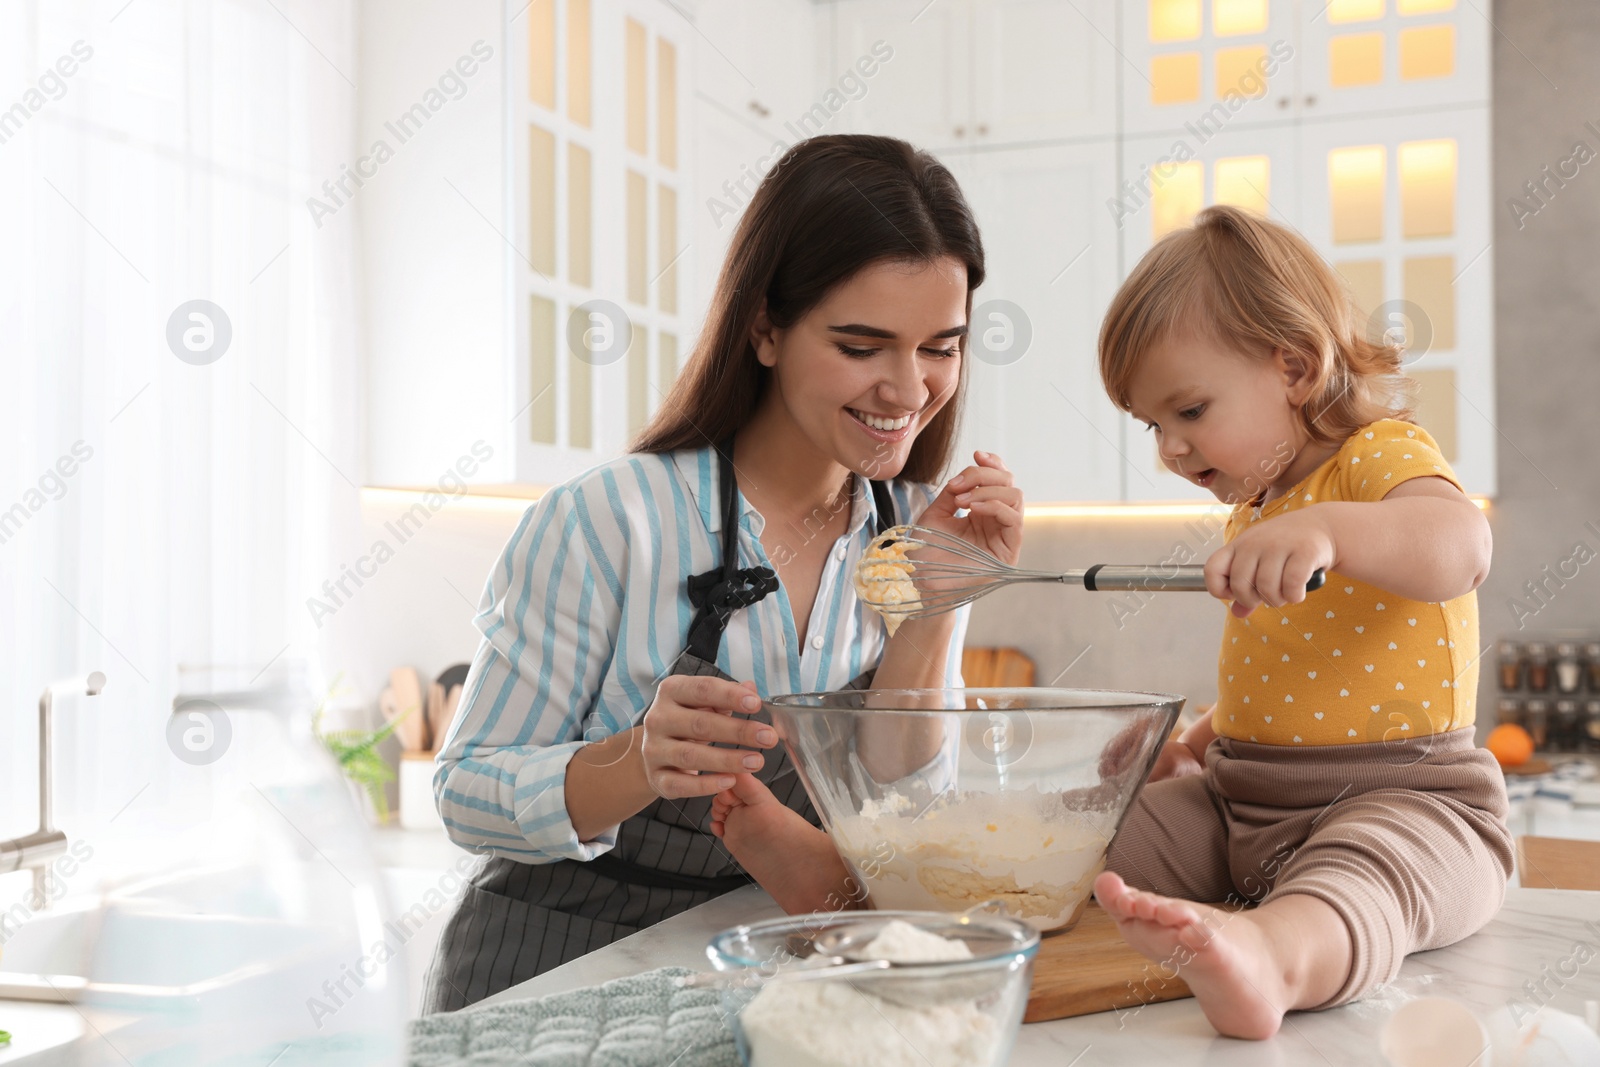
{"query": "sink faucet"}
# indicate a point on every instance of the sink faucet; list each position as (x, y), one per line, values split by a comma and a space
(38, 849)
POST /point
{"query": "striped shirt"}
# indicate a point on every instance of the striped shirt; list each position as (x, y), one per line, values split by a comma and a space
(586, 612)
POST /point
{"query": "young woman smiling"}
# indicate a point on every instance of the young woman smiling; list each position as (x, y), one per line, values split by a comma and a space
(640, 611)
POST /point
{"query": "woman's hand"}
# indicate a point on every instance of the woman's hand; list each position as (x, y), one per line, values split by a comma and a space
(688, 715)
(994, 508)
(1271, 562)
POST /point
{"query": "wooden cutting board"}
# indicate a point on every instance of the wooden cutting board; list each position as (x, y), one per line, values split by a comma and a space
(1090, 969)
(1003, 667)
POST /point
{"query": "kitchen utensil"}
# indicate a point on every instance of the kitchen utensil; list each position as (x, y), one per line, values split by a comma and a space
(810, 969)
(413, 728)
(441, 729)
(451, 680)
(435, 712)
(937, 798)
(950, 572)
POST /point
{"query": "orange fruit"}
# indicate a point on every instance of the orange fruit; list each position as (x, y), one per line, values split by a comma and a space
(1510, 744)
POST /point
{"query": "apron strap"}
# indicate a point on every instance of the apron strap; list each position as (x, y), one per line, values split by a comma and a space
(718, 593)
(885, 502)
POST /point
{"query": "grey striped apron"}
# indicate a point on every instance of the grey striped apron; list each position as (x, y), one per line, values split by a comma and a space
(516, 920)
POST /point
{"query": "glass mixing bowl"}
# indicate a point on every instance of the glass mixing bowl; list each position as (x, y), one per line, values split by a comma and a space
(940, 799)
(953, 1014)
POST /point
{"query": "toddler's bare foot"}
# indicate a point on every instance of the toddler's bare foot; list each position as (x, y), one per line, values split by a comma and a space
(1225, 957)
(787, 856)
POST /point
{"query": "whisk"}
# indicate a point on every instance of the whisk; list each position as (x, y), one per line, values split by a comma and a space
(949, 573)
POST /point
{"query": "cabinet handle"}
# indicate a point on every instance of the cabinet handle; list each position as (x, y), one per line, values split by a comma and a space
(1283, 102)
(961, 131)
(1311, 100)
(983, 130)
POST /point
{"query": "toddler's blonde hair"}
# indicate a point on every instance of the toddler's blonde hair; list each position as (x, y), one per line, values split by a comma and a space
(1254, 285)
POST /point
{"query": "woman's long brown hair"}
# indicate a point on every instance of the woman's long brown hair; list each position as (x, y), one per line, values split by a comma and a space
(831, 206)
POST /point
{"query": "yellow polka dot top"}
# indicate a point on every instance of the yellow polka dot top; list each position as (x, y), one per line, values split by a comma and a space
(1352, 663)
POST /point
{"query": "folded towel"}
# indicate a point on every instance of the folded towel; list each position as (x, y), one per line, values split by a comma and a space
(641, 1021)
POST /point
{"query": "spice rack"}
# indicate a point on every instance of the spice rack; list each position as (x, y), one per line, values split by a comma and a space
(1550, 686)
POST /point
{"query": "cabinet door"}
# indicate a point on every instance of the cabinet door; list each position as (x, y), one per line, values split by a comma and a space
(1195, 67)
(1043, 69)
(923, 91)
(1034, 392)
(1373, 56)
(1401, 206)
(1254, 168)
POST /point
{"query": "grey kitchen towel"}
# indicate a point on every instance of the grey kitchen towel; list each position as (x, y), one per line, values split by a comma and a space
(643, 1020)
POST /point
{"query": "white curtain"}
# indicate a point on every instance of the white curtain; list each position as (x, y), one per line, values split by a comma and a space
(156, 510)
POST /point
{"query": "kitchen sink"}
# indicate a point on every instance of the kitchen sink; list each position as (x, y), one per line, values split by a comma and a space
(207, 967)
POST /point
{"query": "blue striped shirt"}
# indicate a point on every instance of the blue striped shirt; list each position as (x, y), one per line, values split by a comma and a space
(586, 612)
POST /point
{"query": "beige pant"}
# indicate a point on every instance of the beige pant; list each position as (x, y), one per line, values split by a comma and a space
(1406, 841)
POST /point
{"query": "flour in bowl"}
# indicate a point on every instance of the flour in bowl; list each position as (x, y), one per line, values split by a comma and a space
(841, 1023)
(1023, 847)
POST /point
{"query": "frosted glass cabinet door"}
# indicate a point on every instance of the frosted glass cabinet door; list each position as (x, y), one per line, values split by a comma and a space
(1253, 168)
(1367, 56)
(1401, 206)
(1203, 65)
(1034, 392)
(1043, 69)
(922, 93)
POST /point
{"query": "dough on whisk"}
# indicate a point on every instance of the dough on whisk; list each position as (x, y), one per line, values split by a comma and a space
(883, 577)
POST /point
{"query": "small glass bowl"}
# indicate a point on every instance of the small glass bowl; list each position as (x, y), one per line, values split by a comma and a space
(964, 1013)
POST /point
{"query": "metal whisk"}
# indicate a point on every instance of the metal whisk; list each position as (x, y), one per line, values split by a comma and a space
(911, 572)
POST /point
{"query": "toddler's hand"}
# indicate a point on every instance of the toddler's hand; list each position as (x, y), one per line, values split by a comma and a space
(748, 796)
(1270, 563)
(1177, 760)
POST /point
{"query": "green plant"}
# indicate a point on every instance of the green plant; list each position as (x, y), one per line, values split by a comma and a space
(357, 753)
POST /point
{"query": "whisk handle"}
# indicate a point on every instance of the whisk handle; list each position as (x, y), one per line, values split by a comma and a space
(1108, 577)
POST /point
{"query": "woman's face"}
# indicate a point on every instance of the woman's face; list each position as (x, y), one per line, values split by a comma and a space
(869, 367)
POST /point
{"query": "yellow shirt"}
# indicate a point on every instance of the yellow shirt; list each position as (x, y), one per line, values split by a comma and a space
(1352, 663)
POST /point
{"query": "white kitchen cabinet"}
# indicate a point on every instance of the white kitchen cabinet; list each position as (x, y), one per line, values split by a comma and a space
(1034, 393)
(1173, 178)
(976, 73)
(561, 177)
(435, 258)
(1377, 56)
(1401, 206)
(1042, 70)
(1194, 67)
(922, 92)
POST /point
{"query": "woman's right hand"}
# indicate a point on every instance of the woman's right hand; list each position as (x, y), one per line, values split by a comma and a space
(689, 713)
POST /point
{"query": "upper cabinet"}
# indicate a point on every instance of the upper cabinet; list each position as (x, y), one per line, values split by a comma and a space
(1033, 384)
(539, 258)
(1375, 56)
(528, 259)
(1195, 67)
(960, 74)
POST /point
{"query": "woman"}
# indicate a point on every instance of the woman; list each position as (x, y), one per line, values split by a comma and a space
(602, 712)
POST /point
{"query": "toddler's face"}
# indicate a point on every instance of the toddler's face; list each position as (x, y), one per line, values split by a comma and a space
(1225, 420)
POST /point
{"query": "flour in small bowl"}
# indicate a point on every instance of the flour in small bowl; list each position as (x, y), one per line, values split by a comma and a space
(841, 1023)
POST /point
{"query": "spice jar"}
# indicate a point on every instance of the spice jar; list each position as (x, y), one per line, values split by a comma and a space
(1510, 711)
(1510, 654)
(1564, 726)
(1536, 720)
(1591, 725)
(1538, 667)
(1569, 672)
(1591, 657)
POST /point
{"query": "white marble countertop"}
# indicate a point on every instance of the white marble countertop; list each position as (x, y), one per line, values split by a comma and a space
(1536, 929)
